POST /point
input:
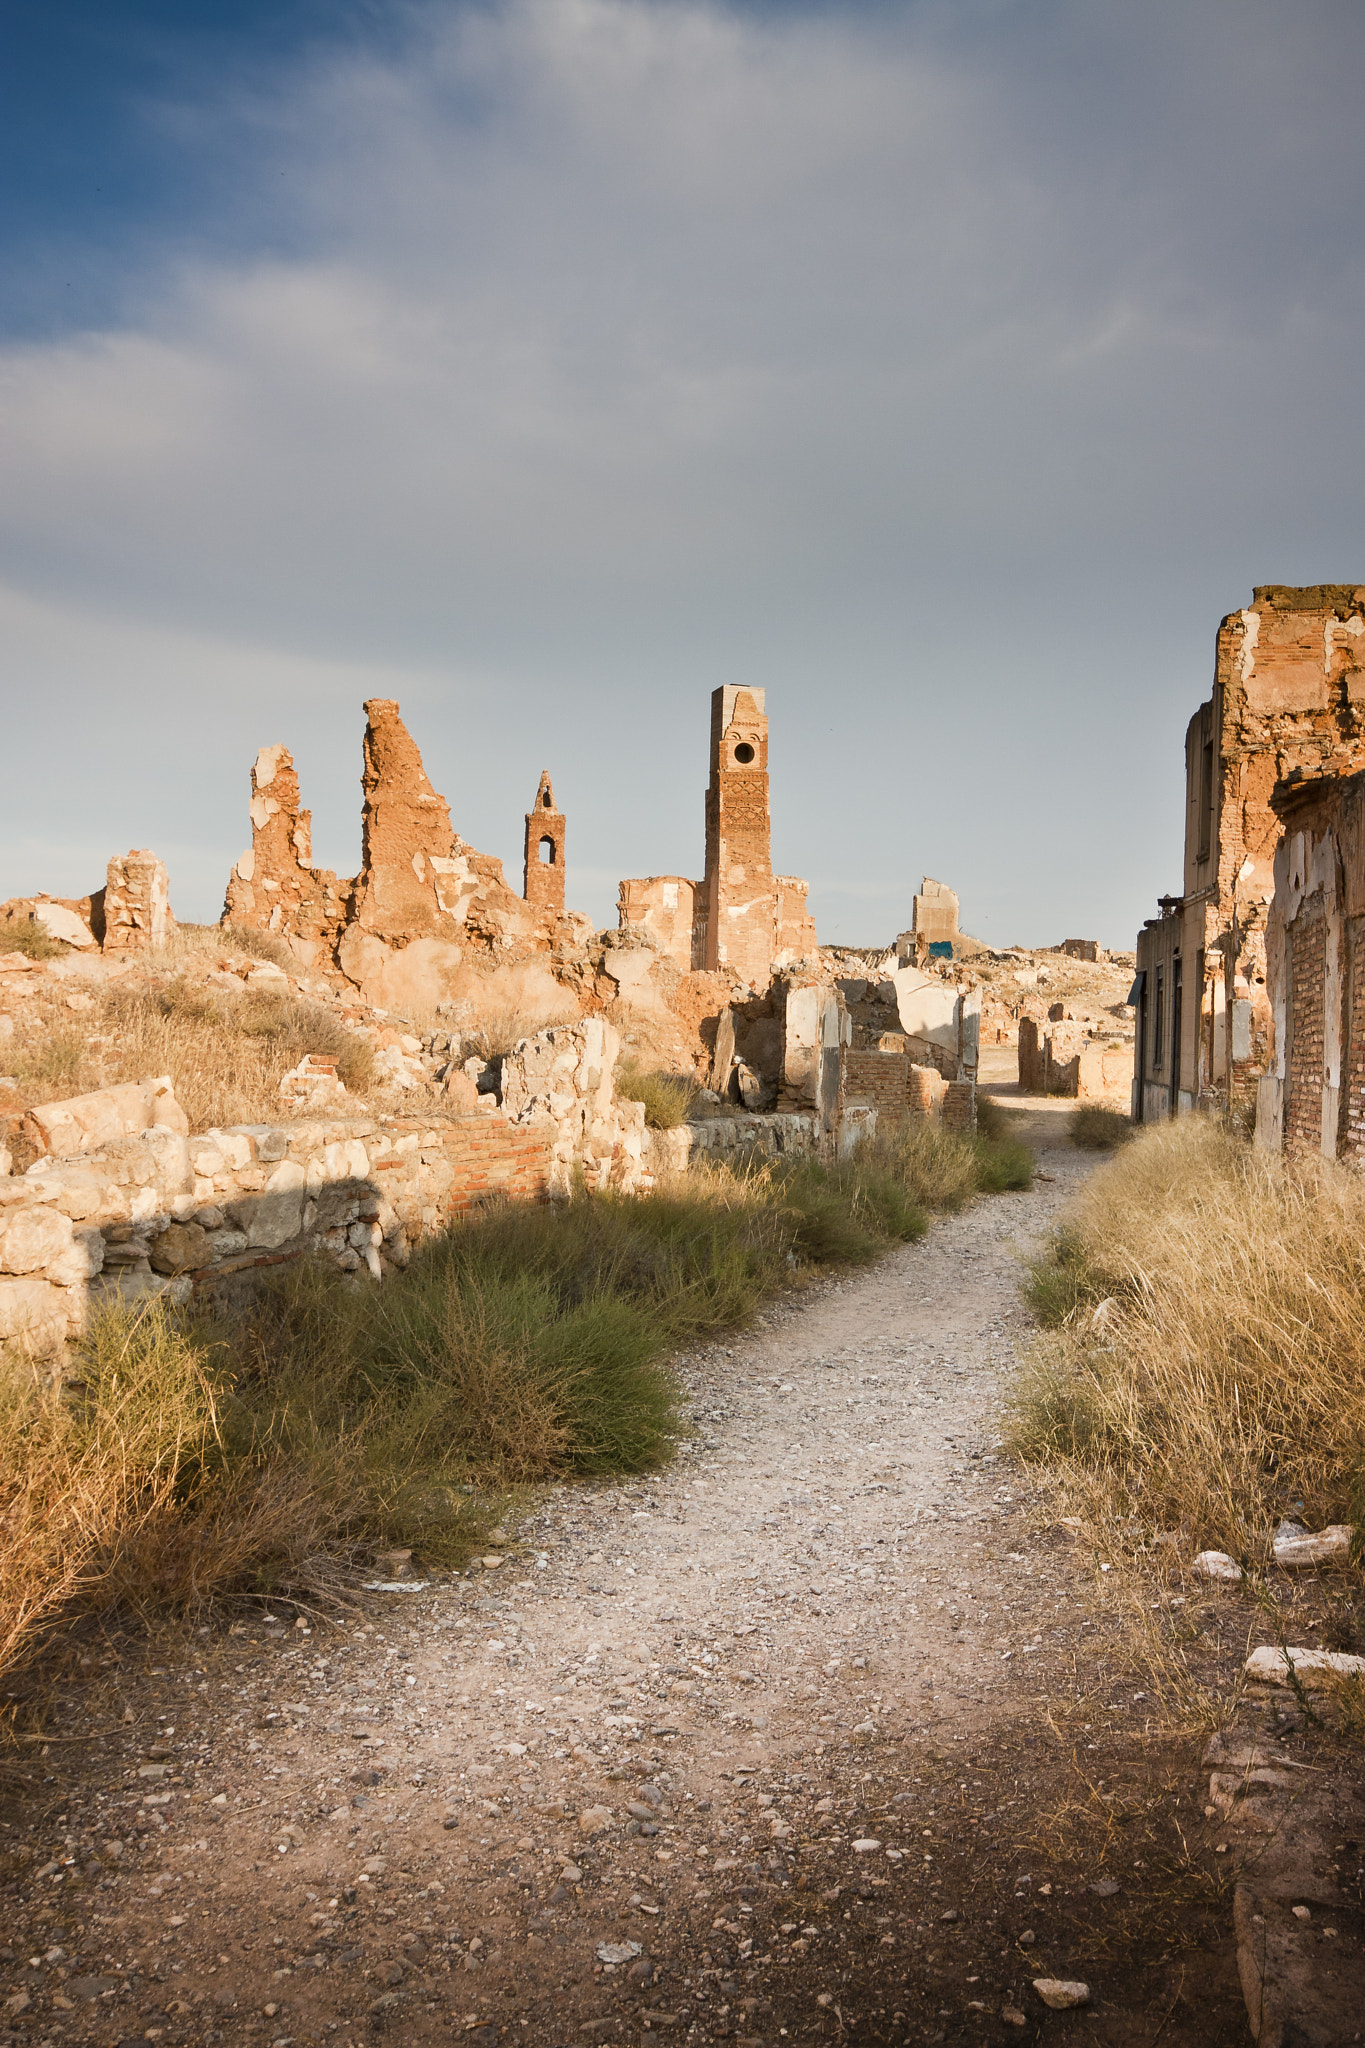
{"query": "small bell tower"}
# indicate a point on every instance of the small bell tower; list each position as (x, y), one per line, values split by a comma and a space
(543, 873)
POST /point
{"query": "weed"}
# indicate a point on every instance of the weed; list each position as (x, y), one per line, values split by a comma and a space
(1099, 1130)
(667, 1097)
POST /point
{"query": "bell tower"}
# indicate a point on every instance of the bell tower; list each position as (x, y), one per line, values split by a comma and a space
(739, 889)
(543, 871)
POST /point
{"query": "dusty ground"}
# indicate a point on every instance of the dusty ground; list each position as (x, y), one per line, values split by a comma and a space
(822, 1734)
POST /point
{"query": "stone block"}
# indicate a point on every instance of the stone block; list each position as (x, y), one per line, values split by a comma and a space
(90, 1123)
(32, 1238)
(183, 1248)
(34, 1315)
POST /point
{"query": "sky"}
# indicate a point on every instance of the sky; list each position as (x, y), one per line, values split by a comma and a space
(948, 369)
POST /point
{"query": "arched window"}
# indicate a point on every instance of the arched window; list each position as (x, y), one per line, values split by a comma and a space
(547, 852)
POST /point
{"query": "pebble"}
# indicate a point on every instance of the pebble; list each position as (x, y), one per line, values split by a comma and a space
(593, 1819)
(1061, 1993)
(618, 1951)
(1216, 1564)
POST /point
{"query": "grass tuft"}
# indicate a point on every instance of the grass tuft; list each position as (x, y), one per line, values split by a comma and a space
(667, 1097)
(1100, 1130)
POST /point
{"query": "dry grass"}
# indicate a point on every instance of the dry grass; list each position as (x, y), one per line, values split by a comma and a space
(1222, 1382)
(144, 1483)
(498, 1031)
(226, 1054)
(667, 1097)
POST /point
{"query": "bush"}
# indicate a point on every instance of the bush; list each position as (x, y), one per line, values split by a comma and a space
(25, 935)
(1100, 1130)
(1224, 1381)
(667, 1097)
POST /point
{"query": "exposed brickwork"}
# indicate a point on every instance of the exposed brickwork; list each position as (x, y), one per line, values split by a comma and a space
(1308, 976)
(959, 1106)
(543, 862)
(881, 1078)
(1352, 1143)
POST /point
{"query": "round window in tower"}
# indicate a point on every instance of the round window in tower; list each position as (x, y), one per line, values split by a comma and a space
(744, 753)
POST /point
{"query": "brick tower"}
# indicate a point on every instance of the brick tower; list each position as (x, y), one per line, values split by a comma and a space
(543, 883)
(739, 892)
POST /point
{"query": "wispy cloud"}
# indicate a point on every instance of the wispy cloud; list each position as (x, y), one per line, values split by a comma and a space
(948, 370)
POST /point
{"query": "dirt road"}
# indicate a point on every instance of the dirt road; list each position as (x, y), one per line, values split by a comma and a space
(804, 1738)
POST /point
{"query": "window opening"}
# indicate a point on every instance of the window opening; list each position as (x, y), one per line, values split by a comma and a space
(547, 852)
(744, 753)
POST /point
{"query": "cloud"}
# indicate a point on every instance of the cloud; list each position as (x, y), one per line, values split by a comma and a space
(948, 371)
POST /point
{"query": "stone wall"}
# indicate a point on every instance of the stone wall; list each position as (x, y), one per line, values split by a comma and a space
(1065, 1059)
(115, 1211)
(559, 1084)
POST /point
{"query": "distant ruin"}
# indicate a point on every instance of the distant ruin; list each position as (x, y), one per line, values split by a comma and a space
(741, 917)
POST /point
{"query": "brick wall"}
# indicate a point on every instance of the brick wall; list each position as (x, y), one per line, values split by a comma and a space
(959, 1106)
(1307, 987)
(881, 1078)
(1353, 1092)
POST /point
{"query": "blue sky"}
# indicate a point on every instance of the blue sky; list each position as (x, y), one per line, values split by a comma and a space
(949, 370)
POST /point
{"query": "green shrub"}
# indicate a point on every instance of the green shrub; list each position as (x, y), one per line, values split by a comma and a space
(25, 935)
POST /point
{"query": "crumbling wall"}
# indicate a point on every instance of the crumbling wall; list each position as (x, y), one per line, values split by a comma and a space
(1065, 1058)
(1288, 697)
(561, 1084)
(667, 908)
(934, 917)
(124, 1212)
(1312, 1099)
(428, 918)
(274, 887)
(136, 907)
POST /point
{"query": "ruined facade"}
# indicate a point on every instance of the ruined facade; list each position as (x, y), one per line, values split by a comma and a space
(543, 861)
(1288, 696)
(1312, 1100)
(741, 918)
(427, 912)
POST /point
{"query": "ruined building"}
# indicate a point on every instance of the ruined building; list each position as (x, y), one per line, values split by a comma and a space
(543, 862)
(426, 912)
(1288, 700)
(741, 917)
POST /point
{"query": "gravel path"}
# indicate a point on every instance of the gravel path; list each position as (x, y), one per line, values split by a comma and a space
(721, 1753)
